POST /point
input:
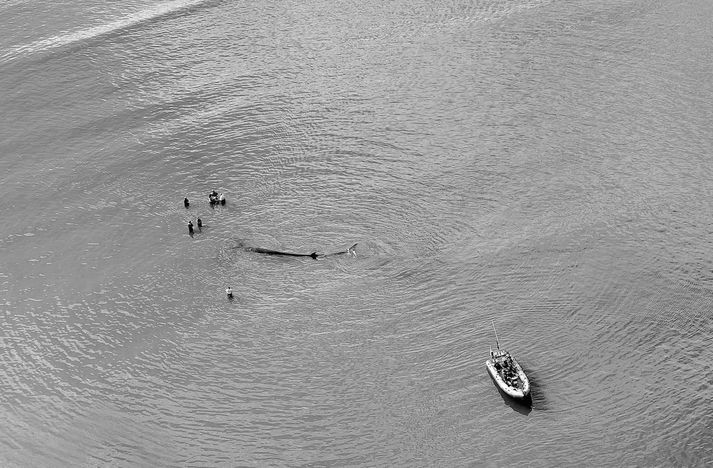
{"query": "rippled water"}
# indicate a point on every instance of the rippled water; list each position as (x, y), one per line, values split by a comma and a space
(543, 165)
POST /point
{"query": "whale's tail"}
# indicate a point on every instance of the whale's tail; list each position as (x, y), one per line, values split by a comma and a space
(352, 250)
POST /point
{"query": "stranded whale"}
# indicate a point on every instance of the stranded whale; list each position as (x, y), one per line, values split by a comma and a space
(350, 251)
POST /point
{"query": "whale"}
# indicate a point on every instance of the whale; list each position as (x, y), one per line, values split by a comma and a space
(350, 251)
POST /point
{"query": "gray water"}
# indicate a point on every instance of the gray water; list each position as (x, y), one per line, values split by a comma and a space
(542, 165)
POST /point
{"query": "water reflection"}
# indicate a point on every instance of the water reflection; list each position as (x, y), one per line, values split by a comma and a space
(537, 393)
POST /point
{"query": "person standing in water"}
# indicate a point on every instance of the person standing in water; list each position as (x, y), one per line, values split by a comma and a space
(229, 292)
(185, 202)
(190, 227)
(200, 224)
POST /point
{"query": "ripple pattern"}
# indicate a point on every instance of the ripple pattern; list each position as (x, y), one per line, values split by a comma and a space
(543, 166)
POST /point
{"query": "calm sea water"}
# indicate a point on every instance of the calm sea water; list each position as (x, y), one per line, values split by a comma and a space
(543, 165)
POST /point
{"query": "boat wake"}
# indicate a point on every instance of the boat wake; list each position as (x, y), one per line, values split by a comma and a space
(81, 36)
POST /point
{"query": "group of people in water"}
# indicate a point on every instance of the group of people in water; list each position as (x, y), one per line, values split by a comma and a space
(213, 198)
(190, 226)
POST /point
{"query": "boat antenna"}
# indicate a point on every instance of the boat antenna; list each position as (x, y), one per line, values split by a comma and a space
(496, 334)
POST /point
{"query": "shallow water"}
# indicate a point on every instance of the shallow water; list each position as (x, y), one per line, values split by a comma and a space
(540, 165)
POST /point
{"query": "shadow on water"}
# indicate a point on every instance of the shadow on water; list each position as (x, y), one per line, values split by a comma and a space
(535, 400)
(523, 406)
